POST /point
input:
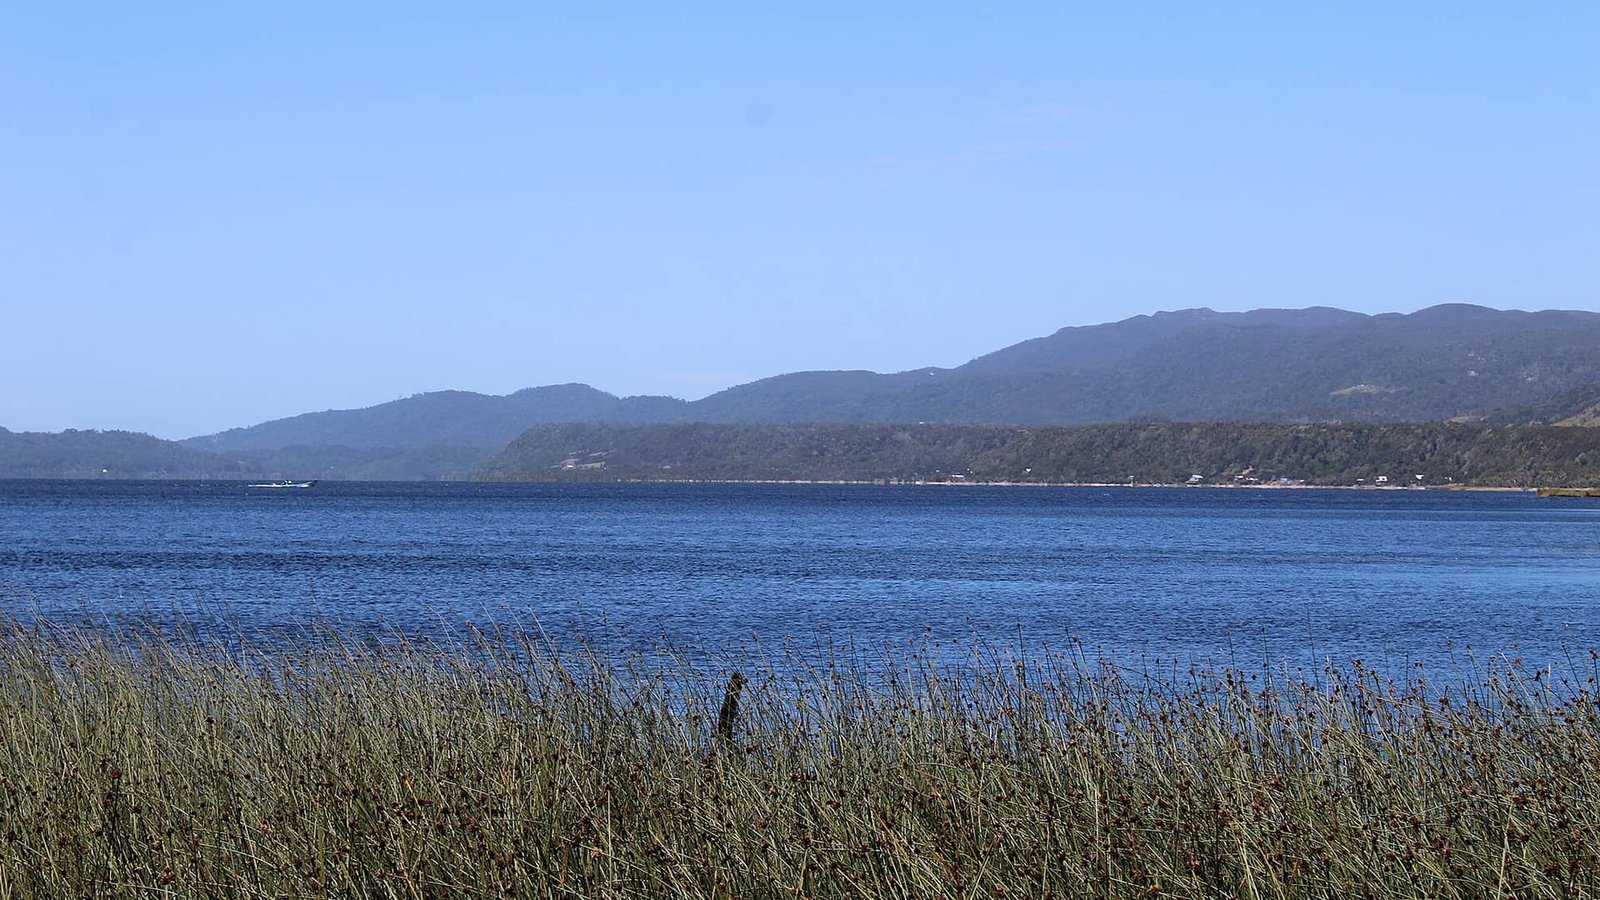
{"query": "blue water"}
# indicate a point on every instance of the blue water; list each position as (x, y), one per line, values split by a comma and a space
(1293, 575)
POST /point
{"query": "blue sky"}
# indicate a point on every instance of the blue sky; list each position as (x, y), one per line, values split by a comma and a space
(215, 215)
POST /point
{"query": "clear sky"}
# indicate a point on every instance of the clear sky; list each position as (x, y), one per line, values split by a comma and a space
(214, 214)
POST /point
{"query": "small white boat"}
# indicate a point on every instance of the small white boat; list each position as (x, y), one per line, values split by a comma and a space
(285, 484)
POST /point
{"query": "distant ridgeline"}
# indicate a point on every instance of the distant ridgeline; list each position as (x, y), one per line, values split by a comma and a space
(108, 454)
(1157, 453)
(1196, 365)
(1450, 362)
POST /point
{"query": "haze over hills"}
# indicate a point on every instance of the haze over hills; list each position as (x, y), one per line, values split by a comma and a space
(1192, 365)
(432, 435)
(1270, 365)
(1314, 364)
(445, 418)
(108, 454)
(1579, 406)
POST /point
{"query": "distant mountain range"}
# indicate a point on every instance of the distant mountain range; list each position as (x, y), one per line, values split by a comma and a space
(1446, 362)
(1306, 365)
(445, 418)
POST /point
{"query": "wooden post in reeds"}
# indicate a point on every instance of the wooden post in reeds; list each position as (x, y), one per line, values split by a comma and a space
(729, 714)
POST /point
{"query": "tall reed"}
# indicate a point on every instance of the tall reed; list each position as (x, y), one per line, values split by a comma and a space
(143, 765)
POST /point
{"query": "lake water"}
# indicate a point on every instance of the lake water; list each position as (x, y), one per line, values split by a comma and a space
(1294, 575)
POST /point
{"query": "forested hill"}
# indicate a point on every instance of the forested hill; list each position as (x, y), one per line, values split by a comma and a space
(1275, 365)
(1161, 453)
(1442, 454)
(129, 455)
(108, 454)
(1195, 365)
(1580, 407)
(459, 419)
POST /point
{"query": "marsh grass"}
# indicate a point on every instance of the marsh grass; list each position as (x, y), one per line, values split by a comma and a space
(148, 765)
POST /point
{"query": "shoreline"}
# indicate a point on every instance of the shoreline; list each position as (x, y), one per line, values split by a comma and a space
(870, 482)
(882, 482)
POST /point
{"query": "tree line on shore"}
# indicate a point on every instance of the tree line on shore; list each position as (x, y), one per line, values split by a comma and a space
(1441, 454)
(1431, 454)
